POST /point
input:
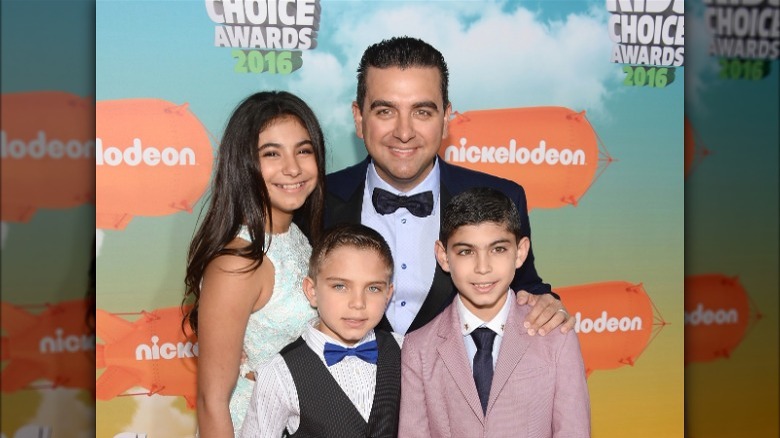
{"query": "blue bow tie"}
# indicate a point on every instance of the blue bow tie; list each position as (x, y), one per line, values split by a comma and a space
(335, 353)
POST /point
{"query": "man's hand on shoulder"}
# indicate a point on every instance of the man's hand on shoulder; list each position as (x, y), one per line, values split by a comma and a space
(546, 314)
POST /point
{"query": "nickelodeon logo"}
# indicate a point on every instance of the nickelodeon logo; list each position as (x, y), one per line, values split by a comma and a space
(48, 150)
(606, 323)
(153, 352)
(149, 155)
(153, 158)
(52, 345)
(708, 316)
(168, 350)
(614, 321)
(512, 154)
(556, 147)
(40, 148)
(716, 314)
(62, 344)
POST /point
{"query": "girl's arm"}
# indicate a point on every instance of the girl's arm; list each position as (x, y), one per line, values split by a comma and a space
(226, 301)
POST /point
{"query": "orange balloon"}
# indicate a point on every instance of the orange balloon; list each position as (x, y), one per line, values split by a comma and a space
(614, 321)
(48, 152)
(153, 158)
(153, 352)
(690, 146)
(717, 312)
(551, 151)
(54, 345)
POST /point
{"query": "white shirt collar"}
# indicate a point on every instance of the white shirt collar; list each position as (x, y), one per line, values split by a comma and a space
(470, 322)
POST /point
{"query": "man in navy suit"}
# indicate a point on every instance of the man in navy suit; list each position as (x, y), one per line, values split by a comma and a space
(401, 113)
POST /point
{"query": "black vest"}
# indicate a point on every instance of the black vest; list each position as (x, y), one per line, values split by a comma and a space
(326, 410)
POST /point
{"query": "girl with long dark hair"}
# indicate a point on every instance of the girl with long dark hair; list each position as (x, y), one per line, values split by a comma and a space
(248, 258)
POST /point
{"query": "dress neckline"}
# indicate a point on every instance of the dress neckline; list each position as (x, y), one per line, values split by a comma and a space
(243, 232)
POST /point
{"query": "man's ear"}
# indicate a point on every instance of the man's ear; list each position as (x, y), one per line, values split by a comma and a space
(447, 114)
(358, 117)
(390, 291)
(309, 291)
(441, 256)
(523, 246)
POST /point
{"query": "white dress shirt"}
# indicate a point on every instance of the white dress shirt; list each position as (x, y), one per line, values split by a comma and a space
(411, 240)
(275, 406)
(470, 322)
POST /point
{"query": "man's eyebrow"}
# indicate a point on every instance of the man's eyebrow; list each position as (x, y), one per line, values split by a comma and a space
(386, 103)
(382, 103)
(426, 104)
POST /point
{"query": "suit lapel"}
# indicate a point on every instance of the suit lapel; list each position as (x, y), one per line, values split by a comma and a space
(344, 198)
(452, 352)
(439, 296)
(513, 346)
(441, 293)
(347, 211)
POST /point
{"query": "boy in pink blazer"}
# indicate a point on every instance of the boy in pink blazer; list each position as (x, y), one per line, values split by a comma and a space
(473, 371)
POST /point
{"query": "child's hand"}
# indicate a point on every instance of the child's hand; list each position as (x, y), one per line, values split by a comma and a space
(546, 314)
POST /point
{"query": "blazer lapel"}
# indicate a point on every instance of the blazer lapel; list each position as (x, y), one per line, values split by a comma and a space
(513, 346)
(344, 200)
(452, 352)
(347, 211)
(441, 292)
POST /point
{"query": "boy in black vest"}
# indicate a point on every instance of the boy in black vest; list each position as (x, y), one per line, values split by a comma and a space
(341, 378)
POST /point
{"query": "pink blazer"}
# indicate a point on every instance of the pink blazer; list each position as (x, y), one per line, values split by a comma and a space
(538, 390)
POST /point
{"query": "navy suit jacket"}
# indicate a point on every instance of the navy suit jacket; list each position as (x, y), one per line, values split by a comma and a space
(344, 203)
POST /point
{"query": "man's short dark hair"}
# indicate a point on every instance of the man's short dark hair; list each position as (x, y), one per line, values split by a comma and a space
(477, 206)
(403, 52)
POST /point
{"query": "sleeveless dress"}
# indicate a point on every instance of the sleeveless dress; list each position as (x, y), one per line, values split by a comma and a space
(282, 320)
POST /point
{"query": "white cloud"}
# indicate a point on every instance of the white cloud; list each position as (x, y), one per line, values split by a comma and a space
(496, 58)
(331, 102)
(329, 88)
(65, 413)
(700, 67)
(156, 416)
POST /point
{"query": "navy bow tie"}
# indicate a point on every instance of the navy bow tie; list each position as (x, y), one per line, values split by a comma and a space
(335, 353)
(420, 205)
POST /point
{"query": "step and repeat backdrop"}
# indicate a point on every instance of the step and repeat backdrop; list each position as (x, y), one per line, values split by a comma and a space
(47, 220)
(581, 102)
(732, 202)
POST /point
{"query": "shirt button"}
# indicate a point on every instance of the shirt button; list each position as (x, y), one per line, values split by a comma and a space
(403, 221)
(403, 265)
(403, 303)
